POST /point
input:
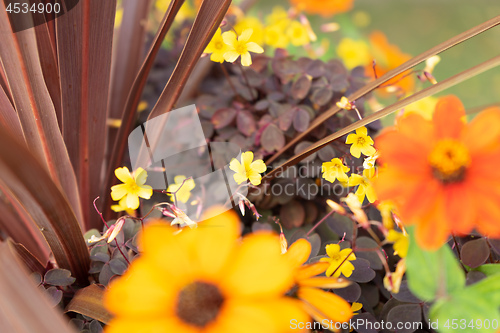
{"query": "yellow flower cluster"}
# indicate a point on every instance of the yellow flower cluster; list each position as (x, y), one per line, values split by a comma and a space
(229, 47)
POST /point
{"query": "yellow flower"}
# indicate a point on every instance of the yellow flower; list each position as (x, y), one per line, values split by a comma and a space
(340, 261)
(274, 35)
(369, 162)
(122, 206)
(392, 281)
(335, 169)
(354, 52)
(319, 304)
(345, 104)
(204, 280)
(132, 188)
(241, 46)
(361, 143)
(247, 169)
(183, 188)
(251, 23)
(297, 34)
(217, 47)
(364, 185)
(400, 241)
(386, 207)
(187, 11)
(278, 15)
(356, 307)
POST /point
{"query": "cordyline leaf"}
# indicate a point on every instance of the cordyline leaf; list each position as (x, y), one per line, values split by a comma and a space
(8, 116)
(133, 99)
(48, 61)
(30, 261)
(128, 56)
(89, 302)
(390, 75)
(19, 225)
(23, 308)
(434, 89)
(84, 42)
(32, 186)
(205, 25)
(20, 58)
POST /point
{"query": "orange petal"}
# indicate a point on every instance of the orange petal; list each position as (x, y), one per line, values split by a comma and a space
(160, 324)
(488, 219)
(270, 315)
(331, 306)
(415, 123)
(460, 207)
(311, 270)
(433, 230)
(325, 282)
(448, 117)
(480, 135)
(299, 252)
(249, 275)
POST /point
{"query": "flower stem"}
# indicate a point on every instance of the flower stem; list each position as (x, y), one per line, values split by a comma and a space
(247, 81)
(228, 79)
(319, 222)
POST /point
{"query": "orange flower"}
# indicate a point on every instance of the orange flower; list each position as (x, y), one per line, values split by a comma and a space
(321, 305)
(388, 56)
(323, 7)
(443, 174)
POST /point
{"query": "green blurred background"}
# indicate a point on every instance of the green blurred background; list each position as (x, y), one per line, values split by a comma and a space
(417, 25)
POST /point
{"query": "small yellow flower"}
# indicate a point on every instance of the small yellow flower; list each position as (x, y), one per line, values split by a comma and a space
(361, 143)
(183, 189)
(386, 207)
(241, 46)
(354, 52)
(345, 103)
(340, 261)
(275, 36)
(132, 188)
(364, 185)
(335, 169)
(400, 241)
(355, 306)
(278, 15)
(298, 34)
(122, 206)
(392, 281)
(217, 47)
(369, 162)
(251, 23)
(247, 169)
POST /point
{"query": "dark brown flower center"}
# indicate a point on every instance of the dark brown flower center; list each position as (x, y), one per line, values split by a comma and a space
(449, 161)
(199, 303)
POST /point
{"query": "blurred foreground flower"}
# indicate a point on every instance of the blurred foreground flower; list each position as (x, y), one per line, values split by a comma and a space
(443, 174)
(339, 260)
(319, 304)
(203, 280)
(323, 7)
(247, 169)
(132, 188)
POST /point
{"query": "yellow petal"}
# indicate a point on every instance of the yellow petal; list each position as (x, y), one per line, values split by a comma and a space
(255, 179)
(254, 47)
(355, 180)
(246, 159)
(298, 252)
(246, 59)
(145, 191)
(351, 138)
(251, 276)
(258, 166)
(229, 37)
(132, 201)
(231, 56)
(119, 191)
(123, 174)
(235, 165)
(332, 249)
(362, 131)
(245, 35)
(239, 178)
(330, 305)
(140, 176)
(355, 151)
(308, 271)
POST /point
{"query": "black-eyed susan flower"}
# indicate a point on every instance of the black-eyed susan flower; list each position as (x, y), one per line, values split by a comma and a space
(240, 46)
(217, 48)
(204, 280)
(132, 188)
(339, 260)
(247, 169)
(335, 169)
(319, 304)
(400, 240)
(443, 174)
(364, 184)
(181, 189)
(361, 143)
